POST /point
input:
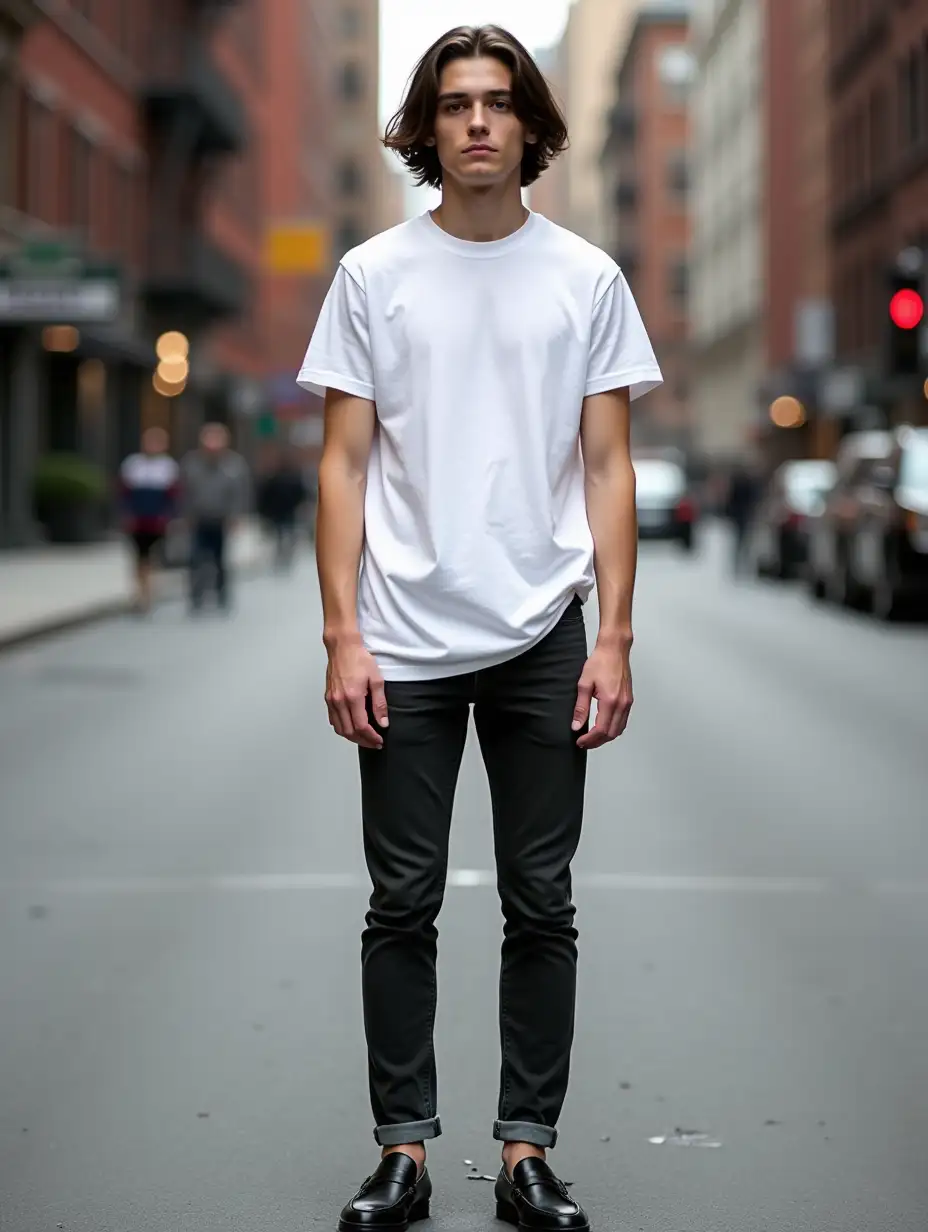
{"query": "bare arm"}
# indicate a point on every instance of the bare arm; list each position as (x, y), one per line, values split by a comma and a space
(349, 433)
(610, 503)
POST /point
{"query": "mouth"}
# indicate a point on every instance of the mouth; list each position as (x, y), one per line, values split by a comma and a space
(480, 149)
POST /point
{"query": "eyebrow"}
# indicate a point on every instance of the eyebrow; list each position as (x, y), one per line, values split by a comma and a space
(460, 96)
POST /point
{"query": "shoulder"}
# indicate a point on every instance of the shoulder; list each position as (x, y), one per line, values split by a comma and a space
(381, 253)
(579, 256)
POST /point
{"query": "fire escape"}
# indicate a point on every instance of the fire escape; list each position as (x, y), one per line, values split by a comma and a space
(196, 119)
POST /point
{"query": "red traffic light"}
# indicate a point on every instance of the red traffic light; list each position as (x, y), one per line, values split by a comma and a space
(906, 309)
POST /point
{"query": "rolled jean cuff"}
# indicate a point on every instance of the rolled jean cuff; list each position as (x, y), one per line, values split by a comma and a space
(408, 1131)
(525, 1131)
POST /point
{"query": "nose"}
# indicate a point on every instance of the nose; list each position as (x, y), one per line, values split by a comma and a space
(478, 121)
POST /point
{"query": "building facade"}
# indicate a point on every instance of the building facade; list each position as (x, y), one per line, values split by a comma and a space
(592, 43)
(878, 73)
(360, 168)
(78, 182)
(154, 152)
(727, 302)
(297, 174)
(645, 168)
(548, 196)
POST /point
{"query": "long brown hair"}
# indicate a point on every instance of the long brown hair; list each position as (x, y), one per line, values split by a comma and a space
(532, 100)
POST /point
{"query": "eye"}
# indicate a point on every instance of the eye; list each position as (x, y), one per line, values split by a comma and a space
(502, 103)
(454, 108)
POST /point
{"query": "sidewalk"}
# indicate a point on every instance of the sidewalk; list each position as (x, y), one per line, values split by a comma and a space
(51, 588)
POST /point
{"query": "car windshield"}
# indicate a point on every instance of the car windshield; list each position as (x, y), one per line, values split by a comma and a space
(657, 478)
(914, 470)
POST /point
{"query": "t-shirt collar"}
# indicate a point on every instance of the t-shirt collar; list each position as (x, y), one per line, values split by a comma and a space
(479, 248)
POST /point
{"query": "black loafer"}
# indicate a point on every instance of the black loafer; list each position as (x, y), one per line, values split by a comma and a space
(535, 1199)
(390, 1198)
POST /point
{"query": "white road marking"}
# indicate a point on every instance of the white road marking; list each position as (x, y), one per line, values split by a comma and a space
(459, 878)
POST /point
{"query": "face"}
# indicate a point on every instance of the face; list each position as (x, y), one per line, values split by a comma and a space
(155, 441)
(214, 438)
(479, 139)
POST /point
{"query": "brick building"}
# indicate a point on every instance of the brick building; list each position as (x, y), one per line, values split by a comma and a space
(645, 166)
(878, 74)
(151, 149)
(798, 315)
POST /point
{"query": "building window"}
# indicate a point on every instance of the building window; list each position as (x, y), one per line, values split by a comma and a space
(910, 100)
(350, 20)
(352, 82)
(349, 236)
(878, 134)
(77, 186)
(127, 214)
(676, 69)
(678, 281)
(350, 178)
(678, 179)
(35, 190)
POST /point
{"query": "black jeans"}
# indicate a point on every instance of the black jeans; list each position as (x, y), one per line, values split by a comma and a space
(208, 551)
(523, 711)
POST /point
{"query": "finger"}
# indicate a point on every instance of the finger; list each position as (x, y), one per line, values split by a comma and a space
(598, 734)
(379, 703)
(363, 733)
(333, 716)
(343, 723)
(582, 708)
(623, 715)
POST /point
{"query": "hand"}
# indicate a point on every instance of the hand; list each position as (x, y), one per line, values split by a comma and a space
(352, 674)
(607, 676)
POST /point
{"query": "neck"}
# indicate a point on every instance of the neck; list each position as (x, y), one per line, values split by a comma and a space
(481, 215)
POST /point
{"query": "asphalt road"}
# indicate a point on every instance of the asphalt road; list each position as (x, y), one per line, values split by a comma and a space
(182, 888)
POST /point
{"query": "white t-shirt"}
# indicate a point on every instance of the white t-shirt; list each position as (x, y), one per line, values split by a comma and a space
(478, 356)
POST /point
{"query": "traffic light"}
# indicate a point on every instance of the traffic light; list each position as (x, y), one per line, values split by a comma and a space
(906, 312)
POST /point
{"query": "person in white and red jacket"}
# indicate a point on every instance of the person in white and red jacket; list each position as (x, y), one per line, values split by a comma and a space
(149, 500)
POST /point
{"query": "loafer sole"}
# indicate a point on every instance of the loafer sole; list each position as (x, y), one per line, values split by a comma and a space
(418, 1212)
(509, 1214)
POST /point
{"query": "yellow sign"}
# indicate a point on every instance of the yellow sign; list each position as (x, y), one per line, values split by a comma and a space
(298, 248)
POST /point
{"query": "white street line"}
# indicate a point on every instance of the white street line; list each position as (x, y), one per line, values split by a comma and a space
(459, 878)
(712, 885)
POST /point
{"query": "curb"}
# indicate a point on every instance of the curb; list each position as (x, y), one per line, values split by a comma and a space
(169, 588)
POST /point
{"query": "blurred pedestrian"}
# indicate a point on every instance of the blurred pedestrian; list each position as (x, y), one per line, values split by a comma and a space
(215, 488)
(465, 357)
(282, 493)
(744, 491)
(149, 502)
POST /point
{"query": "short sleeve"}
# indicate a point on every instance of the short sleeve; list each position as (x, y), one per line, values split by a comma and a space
(339, 352)
(620, 350)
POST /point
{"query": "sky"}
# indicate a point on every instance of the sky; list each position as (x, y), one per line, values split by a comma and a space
(408, 27)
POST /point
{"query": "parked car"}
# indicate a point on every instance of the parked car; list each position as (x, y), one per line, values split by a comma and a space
(829, 531)
(666, 506)
(795, 492)
(887, 551)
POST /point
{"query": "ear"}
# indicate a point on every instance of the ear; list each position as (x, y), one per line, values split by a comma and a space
(429, 141)
(531, 138)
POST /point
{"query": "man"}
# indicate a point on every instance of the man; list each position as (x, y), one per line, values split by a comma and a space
(282, 492)
(466, 356)
(215, 487)
(148, 498)
(744, 493)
